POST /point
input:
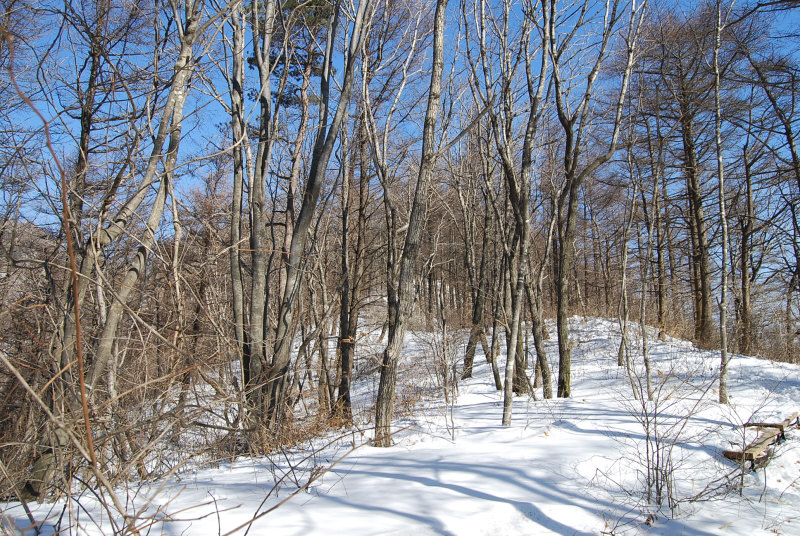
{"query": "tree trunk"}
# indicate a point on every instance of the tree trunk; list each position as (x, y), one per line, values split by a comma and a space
(478, 303)
(723, 302)
(400, 308)
(745, 309)
(238, 131)
(566, 237)
(700, 248)
(537, 330)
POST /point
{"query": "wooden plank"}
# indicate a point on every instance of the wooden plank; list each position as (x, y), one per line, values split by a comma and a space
(764, 440)
(789, 421)
(754, 449)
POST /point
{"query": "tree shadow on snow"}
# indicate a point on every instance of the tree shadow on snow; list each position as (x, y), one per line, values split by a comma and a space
(447, 475)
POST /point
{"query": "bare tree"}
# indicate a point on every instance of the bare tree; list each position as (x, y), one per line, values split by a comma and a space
(719, 26)
(390, 65)
(574, 98)
(327, 134)
(400, 304)
(468, 185)
(513, 53)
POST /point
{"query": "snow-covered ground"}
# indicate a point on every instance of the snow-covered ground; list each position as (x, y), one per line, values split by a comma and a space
(565, 466)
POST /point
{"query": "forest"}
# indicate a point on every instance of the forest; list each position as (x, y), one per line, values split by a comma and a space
(204, 203)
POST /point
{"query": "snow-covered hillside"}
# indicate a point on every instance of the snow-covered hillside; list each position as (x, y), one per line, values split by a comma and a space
(574, 466)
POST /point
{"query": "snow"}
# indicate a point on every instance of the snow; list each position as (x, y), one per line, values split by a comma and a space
(572, 466)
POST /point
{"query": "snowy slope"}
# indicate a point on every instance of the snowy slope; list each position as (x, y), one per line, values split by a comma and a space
(575, 466)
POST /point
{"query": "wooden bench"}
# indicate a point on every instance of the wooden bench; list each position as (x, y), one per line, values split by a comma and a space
(788, 422)
(769, 433)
